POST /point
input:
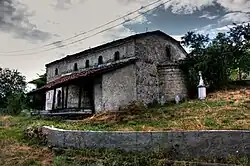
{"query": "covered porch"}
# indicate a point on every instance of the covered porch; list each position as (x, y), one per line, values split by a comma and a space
(72, 97)
(80, 92)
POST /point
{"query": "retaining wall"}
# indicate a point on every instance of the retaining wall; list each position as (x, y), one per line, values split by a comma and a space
(179, 144)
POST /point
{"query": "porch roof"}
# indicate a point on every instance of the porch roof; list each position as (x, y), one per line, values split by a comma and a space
(88, 72)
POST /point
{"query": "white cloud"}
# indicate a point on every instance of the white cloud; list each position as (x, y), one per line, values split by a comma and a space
(64, 18)
(204, 29)
(62, 4)
(236, 17)
(118, 32)
(69, 18)
(212, 30)
(188, 7)
(224, 28)
(208, 29)
(235, 5)
(227, 27)
(177, 37)
(208, 16)
(14, 19)
(238, 11)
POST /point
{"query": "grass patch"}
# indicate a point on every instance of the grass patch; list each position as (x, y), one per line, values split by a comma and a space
(216, 112)
(15, 153)
(222, 110)
(210, 123)
(191, 115)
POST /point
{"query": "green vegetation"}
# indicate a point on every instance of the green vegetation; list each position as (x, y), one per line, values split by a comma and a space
(21, 154)
(40, 81)
(187, 116)
(16, 150)
(222, 110)
(221, 59)
(13, 98)
(12, 87)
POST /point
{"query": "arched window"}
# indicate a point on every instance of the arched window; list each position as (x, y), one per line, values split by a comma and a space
(56, 71)
(75, 67)
(100, 60)
(168, 53)
(117, 56)
(87, 63)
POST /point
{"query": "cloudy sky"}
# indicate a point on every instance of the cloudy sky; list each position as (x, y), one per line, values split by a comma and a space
(33, 33)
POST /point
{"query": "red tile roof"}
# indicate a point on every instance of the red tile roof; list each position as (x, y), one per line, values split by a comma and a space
(96, 70)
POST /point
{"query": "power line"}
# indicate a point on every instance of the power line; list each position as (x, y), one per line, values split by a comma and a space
(79, 40)
(83, 33)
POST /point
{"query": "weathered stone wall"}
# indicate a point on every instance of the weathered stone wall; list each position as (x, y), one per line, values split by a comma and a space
(171, 83)
(152, 49)
(126, 50)
(180, 145)
(98, 94)
(152, 52)
(119, 88)
(146, 82)
(86, 94)
(73, 96)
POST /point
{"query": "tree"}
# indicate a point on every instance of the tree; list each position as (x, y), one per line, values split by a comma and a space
(217, 58)
(240, 42)
(16, 103)
(40, 81)
(196, 42)
(11, 83)
(36, 98)
(219, 61)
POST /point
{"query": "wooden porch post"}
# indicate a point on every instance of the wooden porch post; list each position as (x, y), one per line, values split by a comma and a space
(63, 97)
(67, 92)
(54, 99)
(80, 97)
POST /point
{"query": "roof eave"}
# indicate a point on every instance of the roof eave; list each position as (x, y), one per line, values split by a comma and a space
(91, 72)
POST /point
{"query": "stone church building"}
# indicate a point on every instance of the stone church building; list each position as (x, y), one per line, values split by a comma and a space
(142, 67)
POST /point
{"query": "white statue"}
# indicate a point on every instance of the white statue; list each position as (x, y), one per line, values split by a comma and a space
(201, 88)
(177, 99)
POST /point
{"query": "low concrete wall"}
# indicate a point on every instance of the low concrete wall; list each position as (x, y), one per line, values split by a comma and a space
(179, 144)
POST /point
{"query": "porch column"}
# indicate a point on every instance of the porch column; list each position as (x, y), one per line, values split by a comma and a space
(54, 99)
(66, 100)
(63, 97)
(80, 97)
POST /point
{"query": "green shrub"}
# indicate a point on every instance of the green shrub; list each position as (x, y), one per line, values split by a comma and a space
(15, 104)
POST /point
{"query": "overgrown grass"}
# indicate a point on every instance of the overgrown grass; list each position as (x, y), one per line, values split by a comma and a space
(117, 158)
(217, 112)
(14, 153)
(187, 116)
(192, 115)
